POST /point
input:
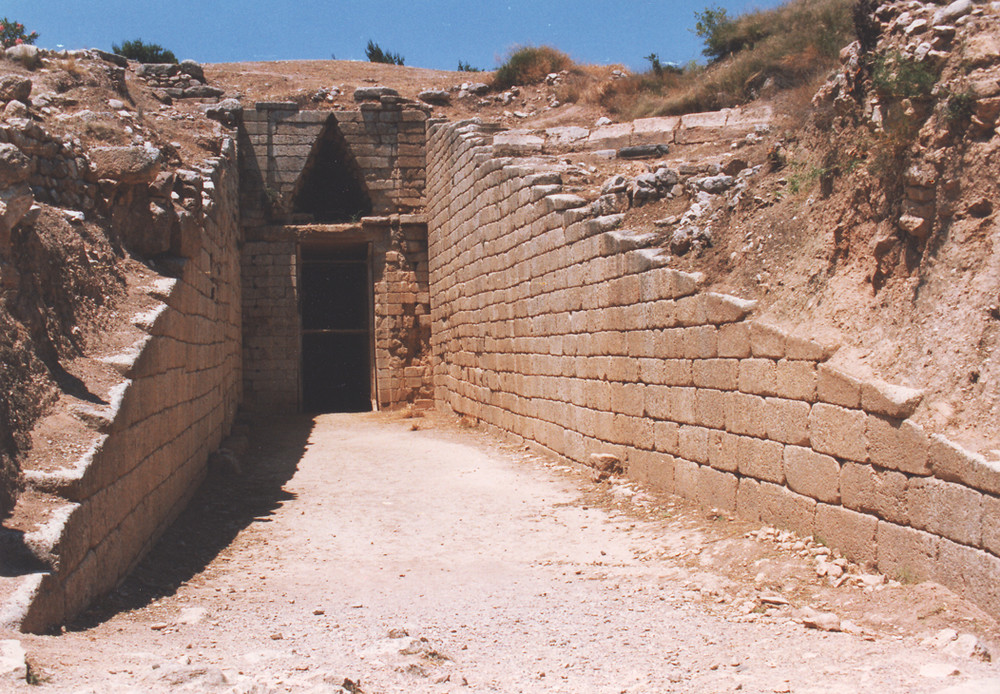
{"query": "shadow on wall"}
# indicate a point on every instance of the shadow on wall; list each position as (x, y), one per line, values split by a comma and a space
(224, 505)
(331, 187)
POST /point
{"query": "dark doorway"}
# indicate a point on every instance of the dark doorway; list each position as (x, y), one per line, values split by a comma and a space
(335, 291)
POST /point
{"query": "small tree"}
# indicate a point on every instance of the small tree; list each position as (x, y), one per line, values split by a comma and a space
(466, 67)
(144, 52)
(12, 34)
(375, 54)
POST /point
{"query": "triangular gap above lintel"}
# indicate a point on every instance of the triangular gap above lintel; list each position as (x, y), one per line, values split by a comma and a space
(331, 187)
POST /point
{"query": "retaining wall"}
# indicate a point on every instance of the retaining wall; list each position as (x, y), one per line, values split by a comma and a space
(552, 325)
(179, 398)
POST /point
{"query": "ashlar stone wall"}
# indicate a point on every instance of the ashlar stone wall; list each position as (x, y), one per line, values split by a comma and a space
(179, 395)
(561, 329)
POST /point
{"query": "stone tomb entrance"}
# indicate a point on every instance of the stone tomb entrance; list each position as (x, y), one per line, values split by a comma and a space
(336, 308)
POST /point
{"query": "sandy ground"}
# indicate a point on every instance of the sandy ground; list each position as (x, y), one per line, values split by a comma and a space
(390, 554)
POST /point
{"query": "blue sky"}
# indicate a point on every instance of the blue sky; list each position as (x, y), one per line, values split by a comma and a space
(428, 33)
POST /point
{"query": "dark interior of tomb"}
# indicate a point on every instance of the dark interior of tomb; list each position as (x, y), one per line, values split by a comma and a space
(332, 187)
(336, 330)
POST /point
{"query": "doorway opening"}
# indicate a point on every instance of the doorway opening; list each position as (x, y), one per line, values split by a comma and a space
(335, 291)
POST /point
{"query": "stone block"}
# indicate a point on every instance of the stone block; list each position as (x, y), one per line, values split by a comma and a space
(838, 432)
(767, 340)
(653, 469)
(760, 459)
(746, 414)
(991, 524)
(898, 402)
(949, 461)
(686, 477)
(724, 451)
(720, 374)
(683, 405)
(796, 380)
(758, 376)
(787, 421)
(812, 474)
(769, 503)
(906, 554)
(666, 437)
(701, 342)
(693, 443)
(870, 490)
(946, 509)
(898, 445)
(717, 489)
(800, 348)
(734, 340)
(835, 387)
(849, 532)
(676, 372)
(710, 408)
(722, 308)
(972, 573)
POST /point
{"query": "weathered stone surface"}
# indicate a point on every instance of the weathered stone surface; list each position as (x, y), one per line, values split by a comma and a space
(15, 109)
(812, 474)
(161, 70)
(879, 397)
(869, 490)
(906, 554)
(15, 88)
(770, 503)
(838, 432)
(517, 142)
(15, 202)
(202, 91)
(189, 67)
(15, 166)
(897, 445)
(949, 14)
(373, 93)
(438, 97)
(24, 53)
(949, 461)
(850, 532)
(125, 164)
(945, 509)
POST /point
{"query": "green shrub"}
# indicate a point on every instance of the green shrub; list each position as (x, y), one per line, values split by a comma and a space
(144, 52)
(958, 108)
(466, 67)
(899, 77)
(12, 33)
(530, 65)
(375, 54)
(724, 36)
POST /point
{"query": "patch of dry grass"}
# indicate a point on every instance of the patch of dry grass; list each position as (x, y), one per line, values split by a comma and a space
(780, 48)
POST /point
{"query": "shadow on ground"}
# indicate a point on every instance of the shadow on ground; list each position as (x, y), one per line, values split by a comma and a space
(226, 503)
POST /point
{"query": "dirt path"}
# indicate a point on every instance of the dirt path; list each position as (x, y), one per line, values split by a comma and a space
(432, 560)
